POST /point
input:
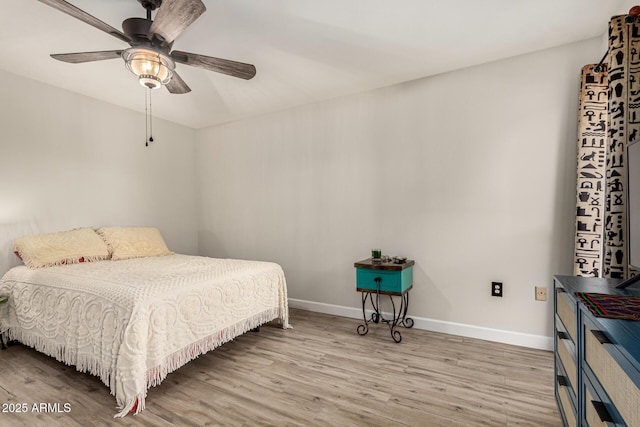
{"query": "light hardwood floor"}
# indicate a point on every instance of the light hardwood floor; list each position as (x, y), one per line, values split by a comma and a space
(320, 373)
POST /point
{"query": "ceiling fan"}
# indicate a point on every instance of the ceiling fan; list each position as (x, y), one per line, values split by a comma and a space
(150, 56)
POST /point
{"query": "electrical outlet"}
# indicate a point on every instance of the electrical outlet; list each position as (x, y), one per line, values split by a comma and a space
(541, 293)
(496, 289)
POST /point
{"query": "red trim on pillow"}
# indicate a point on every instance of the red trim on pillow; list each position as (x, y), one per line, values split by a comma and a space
(64, 262)
(81, 259)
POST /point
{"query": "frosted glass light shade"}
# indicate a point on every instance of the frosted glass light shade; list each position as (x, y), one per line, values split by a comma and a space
(152, 68)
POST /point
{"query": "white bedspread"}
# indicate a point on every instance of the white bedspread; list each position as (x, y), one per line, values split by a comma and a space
(132, 322)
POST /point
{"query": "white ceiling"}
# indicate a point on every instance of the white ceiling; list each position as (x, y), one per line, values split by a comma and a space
(304, 50)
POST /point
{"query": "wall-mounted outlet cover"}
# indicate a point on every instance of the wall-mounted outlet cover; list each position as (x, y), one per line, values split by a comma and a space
(496, 289)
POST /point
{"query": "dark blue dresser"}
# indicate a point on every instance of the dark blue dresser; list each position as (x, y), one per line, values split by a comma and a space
(597, 360)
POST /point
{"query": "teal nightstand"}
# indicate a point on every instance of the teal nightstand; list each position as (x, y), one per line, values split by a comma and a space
(385, 278)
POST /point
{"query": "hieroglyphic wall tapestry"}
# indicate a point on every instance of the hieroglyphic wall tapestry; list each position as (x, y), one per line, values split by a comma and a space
(623, 126)
(592, 152)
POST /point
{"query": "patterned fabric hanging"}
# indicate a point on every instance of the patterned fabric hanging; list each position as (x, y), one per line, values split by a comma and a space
(623, 126)
(605, 130)
(590, 196)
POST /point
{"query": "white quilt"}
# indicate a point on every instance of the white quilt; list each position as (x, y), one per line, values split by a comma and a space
(132, 322)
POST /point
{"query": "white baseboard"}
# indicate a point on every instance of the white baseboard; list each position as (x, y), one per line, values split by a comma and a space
(507, 337)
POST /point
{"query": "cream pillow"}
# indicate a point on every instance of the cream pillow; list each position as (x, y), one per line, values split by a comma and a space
(65, 247)
(134, 242)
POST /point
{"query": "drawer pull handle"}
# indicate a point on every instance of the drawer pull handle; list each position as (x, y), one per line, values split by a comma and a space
(601, 409)
(563, 381)
(377, 280)
(563, 335)
(600, 336)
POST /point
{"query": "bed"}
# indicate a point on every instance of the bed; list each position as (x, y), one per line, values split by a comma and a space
(133, 320)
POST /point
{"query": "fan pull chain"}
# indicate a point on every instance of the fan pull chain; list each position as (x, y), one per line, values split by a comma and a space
(148, 114)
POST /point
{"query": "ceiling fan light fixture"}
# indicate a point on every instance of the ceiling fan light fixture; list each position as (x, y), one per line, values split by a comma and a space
(153, 68)
(149, 81)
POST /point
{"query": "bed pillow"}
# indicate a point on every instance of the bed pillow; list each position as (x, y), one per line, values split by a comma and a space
(64, 247)
(134, 242)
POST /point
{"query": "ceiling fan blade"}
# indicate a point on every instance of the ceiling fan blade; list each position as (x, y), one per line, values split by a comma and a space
(79, 57)
(177, 85)
(83, 16)
(225, 66)
(174, 16)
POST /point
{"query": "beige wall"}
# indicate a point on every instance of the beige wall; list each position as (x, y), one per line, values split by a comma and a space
(470, 173)
(68, 161)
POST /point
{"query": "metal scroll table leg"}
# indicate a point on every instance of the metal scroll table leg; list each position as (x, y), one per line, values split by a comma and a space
(393, 322)
(363, 329)
(407, 322)
(375, 316)
(399, 314)
(399, 317)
